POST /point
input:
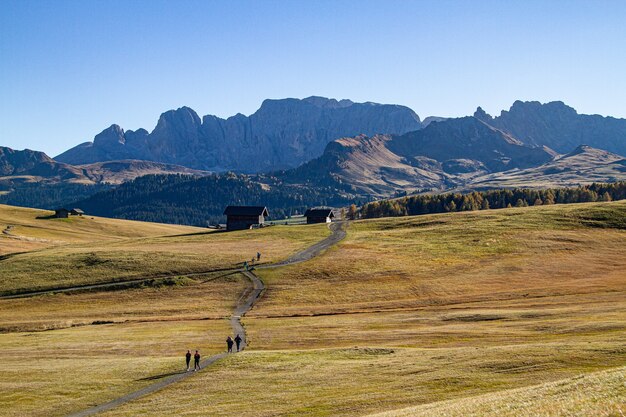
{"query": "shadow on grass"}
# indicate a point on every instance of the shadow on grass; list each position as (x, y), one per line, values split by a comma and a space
(155, 377)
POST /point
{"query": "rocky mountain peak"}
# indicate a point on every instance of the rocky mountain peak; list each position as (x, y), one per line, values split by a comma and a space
(480, 114)
(111, 136)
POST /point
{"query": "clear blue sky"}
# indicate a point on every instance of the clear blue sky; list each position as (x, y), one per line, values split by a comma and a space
(69, 69)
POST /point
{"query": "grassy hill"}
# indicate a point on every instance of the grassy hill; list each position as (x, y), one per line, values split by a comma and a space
(458, 314)
(594, 394)
(92, 250)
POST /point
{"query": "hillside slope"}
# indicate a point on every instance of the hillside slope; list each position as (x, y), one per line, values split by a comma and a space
(584, 165)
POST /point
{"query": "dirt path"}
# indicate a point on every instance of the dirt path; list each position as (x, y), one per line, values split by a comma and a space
(245, 304)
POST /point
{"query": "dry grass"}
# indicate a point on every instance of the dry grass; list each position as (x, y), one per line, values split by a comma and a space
(185, 300)
(599, 394)
(56, 372)
(105, 344)
(358, 381)
(440, 307)
(405, 312)
(438, 260)
(29, 225)
(110, 256)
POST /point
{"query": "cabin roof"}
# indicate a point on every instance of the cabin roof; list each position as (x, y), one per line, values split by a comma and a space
(77, 210)
(246, 211)
(319, 213)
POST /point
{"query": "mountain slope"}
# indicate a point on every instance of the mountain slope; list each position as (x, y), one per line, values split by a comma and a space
(468, 138)
(29, 165)
(584, 165)
(37, 167)
(559, 126)
(281, 134)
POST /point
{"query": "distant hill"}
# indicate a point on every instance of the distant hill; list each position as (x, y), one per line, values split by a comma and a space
(33, 166)
(29, 165)
(559, 127)
(33, 179)
(440, 156)
(281, 134)
(584, 165)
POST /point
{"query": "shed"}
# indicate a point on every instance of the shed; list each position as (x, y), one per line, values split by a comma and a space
(61, 213)
(320, 215)
(76, 212)
(245, 217)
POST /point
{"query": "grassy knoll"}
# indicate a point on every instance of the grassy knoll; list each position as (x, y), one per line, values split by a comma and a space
(65, 352)
(357, 381)
(30, 229)
(413, 311)
(444, 259)
(105, 344)
(109, 256)
(596, 394)
(186, 299)
(56, 372)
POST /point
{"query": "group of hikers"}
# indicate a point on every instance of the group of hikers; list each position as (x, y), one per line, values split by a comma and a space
(230, 342)
(196, 357)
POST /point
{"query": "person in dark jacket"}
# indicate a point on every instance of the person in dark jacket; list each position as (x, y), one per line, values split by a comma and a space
(196, 361)
(238, 341)
(188, 359)
(229, 343)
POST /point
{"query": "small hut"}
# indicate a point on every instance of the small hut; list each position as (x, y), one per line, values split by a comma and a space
(76, 212)
(321, 215)
(245, 217)
(61, 213)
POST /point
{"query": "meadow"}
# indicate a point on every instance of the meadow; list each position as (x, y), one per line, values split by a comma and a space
(90, 250)
(518, 311)
(63, 352)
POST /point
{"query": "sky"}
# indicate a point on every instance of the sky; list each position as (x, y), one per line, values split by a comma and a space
(69, 69)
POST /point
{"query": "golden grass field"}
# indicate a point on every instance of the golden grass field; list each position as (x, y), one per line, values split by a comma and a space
(500, 312)
(88, 250)
(64, 352)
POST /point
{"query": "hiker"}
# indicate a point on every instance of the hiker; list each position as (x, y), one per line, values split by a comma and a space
(188, 359)
(196, 361)
(258, 256)
(245, 265)
(238, 341)
(229, 343)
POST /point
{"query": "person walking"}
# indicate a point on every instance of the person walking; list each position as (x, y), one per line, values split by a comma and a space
(258, 256)
(238, 341)
(196, 361)
(229, 343)
(188, 359)
(245, 265)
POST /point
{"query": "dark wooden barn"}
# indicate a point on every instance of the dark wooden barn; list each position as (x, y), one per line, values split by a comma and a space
(245, 217)
(319, 216)
(61, 213)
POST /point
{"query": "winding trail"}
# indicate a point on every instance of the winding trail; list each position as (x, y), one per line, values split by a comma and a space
(245, 304)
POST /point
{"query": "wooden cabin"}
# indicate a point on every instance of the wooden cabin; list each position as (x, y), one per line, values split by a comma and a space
(319, 216)
(245, 217)
(61, 213)
(76, 212)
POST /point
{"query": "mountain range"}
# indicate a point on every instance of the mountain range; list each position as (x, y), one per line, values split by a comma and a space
(317, 151)
(280, 134)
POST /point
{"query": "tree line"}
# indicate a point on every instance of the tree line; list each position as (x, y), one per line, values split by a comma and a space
(493, 199)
